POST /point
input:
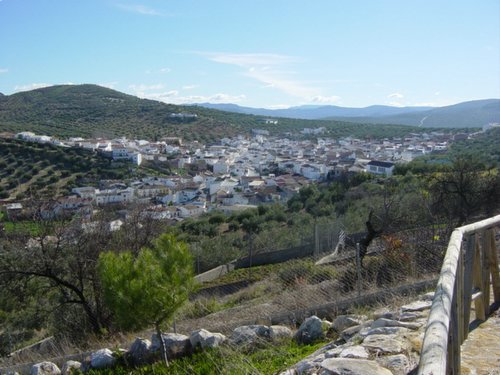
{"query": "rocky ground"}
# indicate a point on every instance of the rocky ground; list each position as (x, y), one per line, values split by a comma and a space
(389, 343)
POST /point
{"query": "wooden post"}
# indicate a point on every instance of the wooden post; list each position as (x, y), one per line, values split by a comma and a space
(477, 277)
(459, 293)
(493, 260)
(468, 263)
(440, 352)
(485, 270)
(453, 355)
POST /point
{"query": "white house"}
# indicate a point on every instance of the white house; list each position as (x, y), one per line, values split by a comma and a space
(190, 210)
(380, 168)
(221, 167)
(115, 196)
(85, 192)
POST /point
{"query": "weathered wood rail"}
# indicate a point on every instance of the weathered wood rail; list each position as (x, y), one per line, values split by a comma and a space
(470, 260)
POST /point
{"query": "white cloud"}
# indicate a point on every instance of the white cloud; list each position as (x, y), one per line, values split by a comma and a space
(139, 9)
(280, 81)
(437, 93)
(189, 87)
(271, 69)
(173, 97)
(31, 86)
(165, 70)
(143, 87)
(396, 95)
(325, 99)
(274, 71)
(249, 60)
(3, 70)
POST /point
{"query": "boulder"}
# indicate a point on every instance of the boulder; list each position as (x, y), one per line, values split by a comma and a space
(349, 333)
(383, 344)
(383, 331)
(309, 331)
(382, 322)
(398, 364)
(205, 339)
(248, 335)
(384, 313)
(309, 366)
(277, 333)
(417, 306)
(409, 317)
(343, 322)
(102, 358)
(45, 368)
(356, 351)
(177, 345)
(140, 351)
(70, 366)
(348, 366)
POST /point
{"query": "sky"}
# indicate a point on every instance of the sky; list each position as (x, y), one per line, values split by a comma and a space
(259, 53)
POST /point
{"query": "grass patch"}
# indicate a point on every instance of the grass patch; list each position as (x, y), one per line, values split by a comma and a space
(22, 227)
(270, 359)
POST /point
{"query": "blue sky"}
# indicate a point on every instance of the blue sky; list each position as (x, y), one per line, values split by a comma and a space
(260, 53)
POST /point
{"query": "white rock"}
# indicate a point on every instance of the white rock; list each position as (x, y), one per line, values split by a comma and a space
(102, 358)
(383, 331)
(384, 313)
(310, 366)
(335, 352)
(45, 368)
(398, 364)
(277, 333)
(356, 351)
(177, 345)
(409, 317)
(349, 333)
(205, 339)
(343, 322)
(417, 306)
(382, 322)
(384, 344)
(348, 366)
(248, 335)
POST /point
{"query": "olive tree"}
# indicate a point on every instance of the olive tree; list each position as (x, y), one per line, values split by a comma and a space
(147, 289)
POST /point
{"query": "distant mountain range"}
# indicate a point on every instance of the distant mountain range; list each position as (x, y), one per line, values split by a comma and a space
(95, 111)
(467, 114)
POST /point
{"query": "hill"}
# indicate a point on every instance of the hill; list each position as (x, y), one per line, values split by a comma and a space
(467, 114)
(314, 112)
(94, 111)
(42, 170)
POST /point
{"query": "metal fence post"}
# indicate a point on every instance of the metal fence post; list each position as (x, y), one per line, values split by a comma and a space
(358, 269)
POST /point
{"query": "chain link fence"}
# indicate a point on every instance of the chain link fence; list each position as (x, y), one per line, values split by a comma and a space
(329, 274)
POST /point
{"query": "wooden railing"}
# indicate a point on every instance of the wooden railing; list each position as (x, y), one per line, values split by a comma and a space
(470, 259)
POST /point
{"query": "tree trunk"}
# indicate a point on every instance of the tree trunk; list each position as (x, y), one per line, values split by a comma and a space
(163, 348)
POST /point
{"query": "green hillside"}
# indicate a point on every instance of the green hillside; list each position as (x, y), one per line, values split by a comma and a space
(94, 111)
(42, 170)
